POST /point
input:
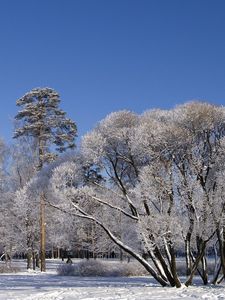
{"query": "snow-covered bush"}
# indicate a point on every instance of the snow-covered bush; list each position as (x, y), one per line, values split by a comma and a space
(102, 268)
(7, 268)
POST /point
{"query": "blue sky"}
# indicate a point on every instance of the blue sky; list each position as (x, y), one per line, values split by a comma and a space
(108, 55)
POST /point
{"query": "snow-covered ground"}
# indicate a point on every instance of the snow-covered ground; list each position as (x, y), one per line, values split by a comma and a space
(49, 286)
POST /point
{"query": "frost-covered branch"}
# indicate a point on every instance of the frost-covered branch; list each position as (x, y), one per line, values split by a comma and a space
(114, 207)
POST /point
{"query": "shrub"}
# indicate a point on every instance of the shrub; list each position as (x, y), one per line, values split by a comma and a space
(7, 268)
(102, 268)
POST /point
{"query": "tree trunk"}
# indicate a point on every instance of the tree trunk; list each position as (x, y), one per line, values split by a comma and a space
(33, 259)
(29, 259)
(53, 255)
(204, 270)
(37, 260)
(165, 268)
(196, 263)
(216, 274)
(133, 253)
(43, 232)
(188, 254)
(191, 211)
(221, 249)
(217, 267)
(121, 255)
(174, 267)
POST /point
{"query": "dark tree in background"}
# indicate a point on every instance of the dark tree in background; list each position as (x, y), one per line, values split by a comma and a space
(42, 119)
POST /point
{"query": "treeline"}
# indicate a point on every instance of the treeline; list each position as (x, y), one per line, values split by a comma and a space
(149, 185)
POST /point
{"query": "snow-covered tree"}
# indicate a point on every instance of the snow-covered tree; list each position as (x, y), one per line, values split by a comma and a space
(22, 168)
(7, 228)
(202, 163)
(109, 147)
(152, 183)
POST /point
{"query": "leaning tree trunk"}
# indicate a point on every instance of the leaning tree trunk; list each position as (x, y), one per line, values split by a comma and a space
(204, 270)
(198, 259)
(188, 254)
(173, 266)
(216, 274)
(164, 266)
(155, 254)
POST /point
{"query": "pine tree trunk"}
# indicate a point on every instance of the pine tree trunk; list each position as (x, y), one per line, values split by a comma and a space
(43, 237)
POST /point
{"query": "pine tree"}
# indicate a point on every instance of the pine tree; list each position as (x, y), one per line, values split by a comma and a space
(42, 119)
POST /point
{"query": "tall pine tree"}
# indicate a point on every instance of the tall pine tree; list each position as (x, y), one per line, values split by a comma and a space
(42, 119)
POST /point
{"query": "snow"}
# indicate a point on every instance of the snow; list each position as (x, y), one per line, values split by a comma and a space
(35, 285)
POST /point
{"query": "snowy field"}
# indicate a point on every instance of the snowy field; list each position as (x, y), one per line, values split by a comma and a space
(49, 286)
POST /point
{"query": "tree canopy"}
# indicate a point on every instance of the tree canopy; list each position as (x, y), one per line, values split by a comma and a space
(42, 119)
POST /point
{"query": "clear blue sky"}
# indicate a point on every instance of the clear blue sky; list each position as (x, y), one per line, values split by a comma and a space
(107, 55)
